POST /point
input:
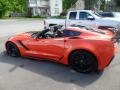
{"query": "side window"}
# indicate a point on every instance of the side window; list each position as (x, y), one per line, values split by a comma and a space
(69, 33)
(73, 15)
(84, 15)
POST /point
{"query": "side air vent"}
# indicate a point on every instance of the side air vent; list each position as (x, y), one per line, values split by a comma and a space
(20, 43)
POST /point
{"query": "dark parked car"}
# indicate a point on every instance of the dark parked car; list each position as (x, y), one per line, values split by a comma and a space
(110, 14)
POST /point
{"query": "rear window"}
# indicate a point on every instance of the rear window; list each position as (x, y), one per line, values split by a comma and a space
(73, 15)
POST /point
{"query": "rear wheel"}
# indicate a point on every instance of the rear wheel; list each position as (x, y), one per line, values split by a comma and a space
(12, 49)
(82, 61)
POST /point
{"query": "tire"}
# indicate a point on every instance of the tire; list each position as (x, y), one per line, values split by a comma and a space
(83, 62)
(12, 50)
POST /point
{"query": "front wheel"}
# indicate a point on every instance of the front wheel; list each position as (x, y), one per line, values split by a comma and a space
(12, 49)
(82, 61)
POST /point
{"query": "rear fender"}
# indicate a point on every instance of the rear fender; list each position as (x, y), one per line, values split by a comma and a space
(91, 49)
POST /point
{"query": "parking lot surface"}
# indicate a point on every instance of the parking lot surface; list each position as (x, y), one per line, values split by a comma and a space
(27, 74)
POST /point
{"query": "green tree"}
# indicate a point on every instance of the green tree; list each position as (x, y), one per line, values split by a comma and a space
(17, 5)
(12, 6)
(103, 4)
(68, 4)
(89, 4)
(3, 7)
(117, 2)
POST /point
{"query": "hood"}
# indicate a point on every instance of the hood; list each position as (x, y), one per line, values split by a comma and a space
(28, 33)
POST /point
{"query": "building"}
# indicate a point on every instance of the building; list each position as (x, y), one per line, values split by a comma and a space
(45, 7)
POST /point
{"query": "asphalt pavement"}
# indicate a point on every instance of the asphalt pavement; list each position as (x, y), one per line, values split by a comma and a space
(27, 74)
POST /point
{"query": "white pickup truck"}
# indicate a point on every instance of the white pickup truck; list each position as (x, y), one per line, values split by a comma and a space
(85, 18)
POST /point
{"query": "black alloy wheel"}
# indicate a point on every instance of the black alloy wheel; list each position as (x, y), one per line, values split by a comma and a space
(12, 50)
(83, 62)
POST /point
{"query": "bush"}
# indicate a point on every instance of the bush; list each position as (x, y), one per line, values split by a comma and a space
(2, 13)
(37, 16)
(59, 17)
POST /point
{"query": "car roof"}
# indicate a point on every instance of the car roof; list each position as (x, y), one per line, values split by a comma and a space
(80, 10)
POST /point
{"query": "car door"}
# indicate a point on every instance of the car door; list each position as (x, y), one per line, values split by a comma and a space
(54, 48)
(85, 21)
(71, 18)
(48, 48)
(80, 18)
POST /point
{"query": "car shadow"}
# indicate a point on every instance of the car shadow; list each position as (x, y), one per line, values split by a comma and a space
(55, 71)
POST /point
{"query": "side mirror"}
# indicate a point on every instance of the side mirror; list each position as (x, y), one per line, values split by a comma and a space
(91, 18)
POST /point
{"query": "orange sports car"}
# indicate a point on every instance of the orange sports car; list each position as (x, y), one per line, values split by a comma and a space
(84, 50)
